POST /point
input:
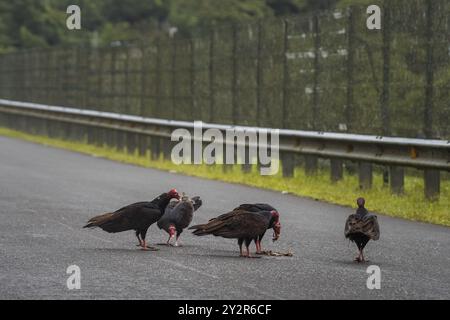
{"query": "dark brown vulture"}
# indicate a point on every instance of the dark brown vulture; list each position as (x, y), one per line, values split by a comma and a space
(238, 224)
(274, 222)
(178, 216)
(137, 216)
(361, 227)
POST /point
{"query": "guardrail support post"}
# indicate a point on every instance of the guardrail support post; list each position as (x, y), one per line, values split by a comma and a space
(167, 149)
(155, 148)
(131, 142)
(365, 175)
(109, 138)
(90, 135)
(432, 184)
(288, 164)
(336, 169)
(99, 137)
(311, 163)
(246, 167)
(227, 167)
(120, 140)
(142, 141)
(397, 175)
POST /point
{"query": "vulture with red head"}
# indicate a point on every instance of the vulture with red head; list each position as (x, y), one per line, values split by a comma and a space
(274, 222)
(246, 226)
(178, 216)
(137, 216)
(361, 227)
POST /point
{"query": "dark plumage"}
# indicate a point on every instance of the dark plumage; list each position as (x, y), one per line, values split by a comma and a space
(137, 216)
(361, 227)
(238, 224)
(274, 222)
(178, 215)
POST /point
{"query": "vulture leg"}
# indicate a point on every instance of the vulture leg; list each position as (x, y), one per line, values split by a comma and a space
(240, 241)
(178, 244)
(258, 245)
(139, 238)
(247, 245)
(144, 243)
(361, 247)
(168, 240)
(358, 257)
(361, 241)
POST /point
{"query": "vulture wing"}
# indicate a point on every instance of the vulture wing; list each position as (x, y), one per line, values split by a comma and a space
(255, 207)
(367, 225)
(165, 220)
(197, 202)
(235, 224)
(178, 213)
(134, 216)
(183, 214)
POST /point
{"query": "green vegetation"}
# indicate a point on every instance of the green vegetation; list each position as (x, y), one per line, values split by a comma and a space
(41, 23)
(410, 206)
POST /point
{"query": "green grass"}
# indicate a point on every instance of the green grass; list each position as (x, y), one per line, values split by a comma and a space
(411, 205)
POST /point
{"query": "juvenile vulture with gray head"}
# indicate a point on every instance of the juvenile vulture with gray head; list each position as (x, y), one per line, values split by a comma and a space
(178, 215)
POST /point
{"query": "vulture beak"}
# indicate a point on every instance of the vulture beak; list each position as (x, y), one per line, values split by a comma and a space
(276, 231)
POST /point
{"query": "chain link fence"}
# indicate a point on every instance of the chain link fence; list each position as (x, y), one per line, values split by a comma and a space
(323, 71)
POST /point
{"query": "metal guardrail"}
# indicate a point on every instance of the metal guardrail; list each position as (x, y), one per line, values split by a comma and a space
(429, 155)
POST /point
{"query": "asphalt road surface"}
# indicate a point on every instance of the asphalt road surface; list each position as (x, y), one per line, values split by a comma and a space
(47, 194)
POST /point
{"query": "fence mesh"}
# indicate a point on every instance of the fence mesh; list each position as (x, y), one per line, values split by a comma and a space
(323, 71)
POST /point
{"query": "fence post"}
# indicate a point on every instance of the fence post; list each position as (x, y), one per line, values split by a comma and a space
(193, 79)
(388, 173)
(234, 76)
(350, 67)
(311, 162)
(385, 93)
(285, 75)
(127, 104)
(99, 67)
(158, 76)
(259, 77)
(315, 105)
(174, 75)
(429, 73)
(211, 75)
(113, 79)
(143, 81)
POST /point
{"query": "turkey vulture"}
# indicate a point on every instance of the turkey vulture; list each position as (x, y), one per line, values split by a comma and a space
(178, 215)
(361, 227)
(238, 224)
(274, 222)
(137, 216)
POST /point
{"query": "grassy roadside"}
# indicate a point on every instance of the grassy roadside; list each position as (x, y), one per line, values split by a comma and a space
(410, 206)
